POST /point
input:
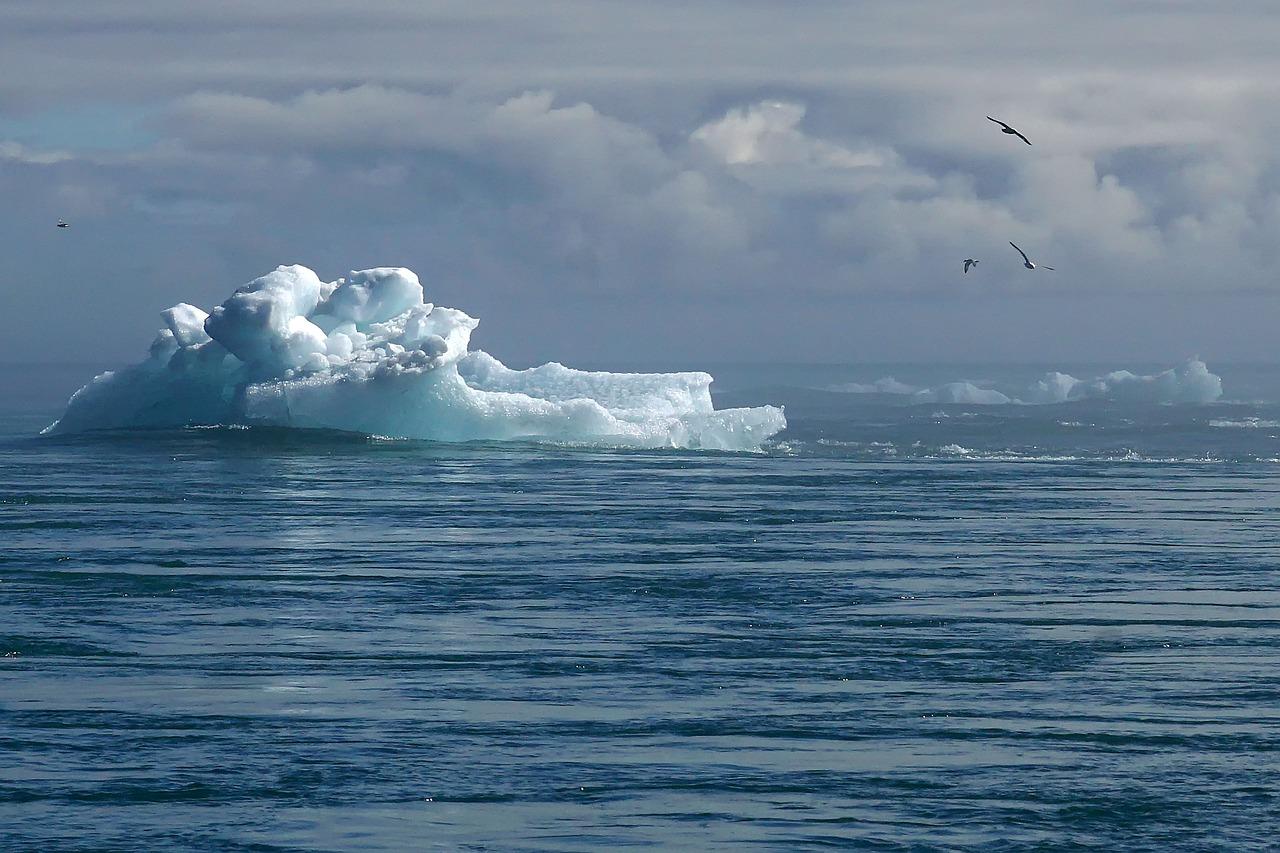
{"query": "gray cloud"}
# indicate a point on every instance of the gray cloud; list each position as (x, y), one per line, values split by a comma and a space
(716, 170)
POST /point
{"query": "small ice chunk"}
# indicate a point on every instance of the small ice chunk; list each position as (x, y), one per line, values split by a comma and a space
(187, 324)
(339, 345)
(255, 323)
(434, 346)
(302, 341)
(164, 346)
(316, 361)
(376, 295)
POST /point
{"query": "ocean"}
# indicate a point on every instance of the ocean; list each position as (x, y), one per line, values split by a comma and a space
(914, 621)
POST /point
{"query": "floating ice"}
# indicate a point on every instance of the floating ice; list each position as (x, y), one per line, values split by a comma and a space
(952, 392)
(186, 322)
(961, 392)
(885, 385)
(1244, 423)
(366, 354)
(1190, 382)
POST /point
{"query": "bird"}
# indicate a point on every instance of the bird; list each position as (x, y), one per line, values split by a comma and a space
(1026, 262)
(1007, 129)
(62, 224)
(969, 262)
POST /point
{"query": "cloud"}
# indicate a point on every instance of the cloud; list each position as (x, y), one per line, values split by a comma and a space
(22, 154)
(768, 133)
(557, 193)
(659, 156)
(548, 191)
(764, 146)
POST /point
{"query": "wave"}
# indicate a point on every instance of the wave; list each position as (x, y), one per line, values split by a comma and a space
(1189, 382)
(366, 354)
(1244, 423)
(954, 452)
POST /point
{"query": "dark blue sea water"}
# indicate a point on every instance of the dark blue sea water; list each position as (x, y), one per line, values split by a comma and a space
(901, 627)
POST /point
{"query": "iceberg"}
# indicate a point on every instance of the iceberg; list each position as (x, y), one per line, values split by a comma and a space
(1188, 383)
(367, 354)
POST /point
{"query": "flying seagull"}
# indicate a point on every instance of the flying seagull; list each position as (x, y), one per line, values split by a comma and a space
(969, 262)
(1007, 129)
(62, 224)
(1026, 262)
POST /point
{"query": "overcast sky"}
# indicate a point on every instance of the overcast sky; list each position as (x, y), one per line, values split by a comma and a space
(658, 182)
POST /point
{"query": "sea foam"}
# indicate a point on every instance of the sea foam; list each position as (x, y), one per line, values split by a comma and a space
(366, 354)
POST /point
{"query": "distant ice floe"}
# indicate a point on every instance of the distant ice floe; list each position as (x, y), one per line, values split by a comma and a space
(1244, 423)
(366, 354)
(1190, 382)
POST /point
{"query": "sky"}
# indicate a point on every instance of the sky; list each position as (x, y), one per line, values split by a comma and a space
(657, 183)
